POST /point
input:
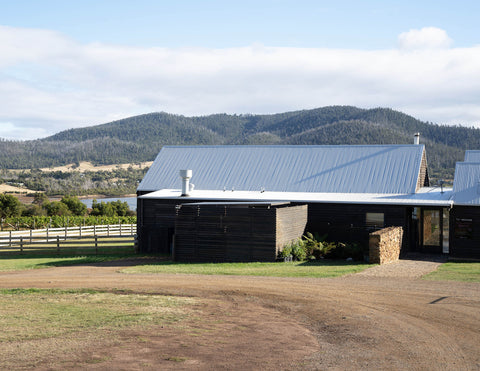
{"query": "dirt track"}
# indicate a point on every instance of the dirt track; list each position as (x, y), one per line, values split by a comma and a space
(354, 322)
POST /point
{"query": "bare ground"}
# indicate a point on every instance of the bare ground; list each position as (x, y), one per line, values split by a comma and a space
(363, 321)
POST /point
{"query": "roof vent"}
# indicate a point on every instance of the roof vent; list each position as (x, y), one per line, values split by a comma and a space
(186, 175)
(416, 138)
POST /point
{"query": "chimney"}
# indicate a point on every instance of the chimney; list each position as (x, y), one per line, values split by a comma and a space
(186, 175)
(416, 138)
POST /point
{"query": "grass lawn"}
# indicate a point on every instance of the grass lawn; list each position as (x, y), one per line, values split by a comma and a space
(289, 269)
(51, 313)
(42, 259)
(456, 271)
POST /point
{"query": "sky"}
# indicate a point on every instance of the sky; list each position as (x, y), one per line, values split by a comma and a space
(69, 64)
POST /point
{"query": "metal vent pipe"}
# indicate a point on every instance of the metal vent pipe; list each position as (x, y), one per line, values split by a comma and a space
(186, 175)
(416, 138)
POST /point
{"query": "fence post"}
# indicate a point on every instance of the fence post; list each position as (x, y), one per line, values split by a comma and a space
(120, 224)
(58, 244)
(21, 244)
(66, 232)
(94, 229)
(108, 230)
(131, 229)
(10, 239)
(96, 245)
(30, 236)
(47, 233)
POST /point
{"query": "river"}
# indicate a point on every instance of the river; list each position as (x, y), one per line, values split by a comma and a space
(131, 201)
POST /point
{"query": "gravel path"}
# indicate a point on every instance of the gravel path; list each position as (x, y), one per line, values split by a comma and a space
(413, 266)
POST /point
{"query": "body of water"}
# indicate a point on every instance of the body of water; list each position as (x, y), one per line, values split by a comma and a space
(131, 201)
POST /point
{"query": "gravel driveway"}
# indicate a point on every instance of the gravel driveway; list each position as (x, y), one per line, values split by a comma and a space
(413, 266)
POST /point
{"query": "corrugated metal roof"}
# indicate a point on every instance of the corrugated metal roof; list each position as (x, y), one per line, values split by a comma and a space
(466, 184)
(472, 156)
(339, 169)
(425, 197)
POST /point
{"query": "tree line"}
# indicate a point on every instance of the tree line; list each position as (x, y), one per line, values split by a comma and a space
(11, 207)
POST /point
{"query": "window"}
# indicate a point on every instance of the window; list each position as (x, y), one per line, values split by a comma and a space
(463, 228)
(375, 220)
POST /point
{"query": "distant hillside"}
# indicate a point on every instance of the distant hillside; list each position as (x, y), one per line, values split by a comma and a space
(139, 138)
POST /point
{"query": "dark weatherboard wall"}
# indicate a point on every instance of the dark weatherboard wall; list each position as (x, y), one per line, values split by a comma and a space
(236, 232)
(465, 232)
(341, 222)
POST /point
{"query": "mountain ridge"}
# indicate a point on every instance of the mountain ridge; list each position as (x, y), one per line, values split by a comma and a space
(139, 138)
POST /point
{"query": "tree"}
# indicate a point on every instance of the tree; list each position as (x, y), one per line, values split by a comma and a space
(76, 206)
(121, 208)
(57, 208)
(40, 198)
(102, 209)
(9, 206)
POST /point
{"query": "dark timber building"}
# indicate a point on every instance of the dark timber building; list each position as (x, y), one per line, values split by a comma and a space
(245, 192)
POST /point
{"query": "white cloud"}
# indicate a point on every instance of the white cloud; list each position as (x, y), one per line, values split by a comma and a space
(425, 38)
(53, 83)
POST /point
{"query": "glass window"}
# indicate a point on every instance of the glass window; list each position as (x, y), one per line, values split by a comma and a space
(463, 228)
(446, 230)
(375, 220)
(431, 228)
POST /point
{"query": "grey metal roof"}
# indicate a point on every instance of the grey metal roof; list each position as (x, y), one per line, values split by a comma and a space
(339, 169)
(472, 156)
(466, 184)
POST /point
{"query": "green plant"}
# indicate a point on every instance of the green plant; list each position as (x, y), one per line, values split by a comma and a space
(286, 252)
(299, 250)
(316, 246)
(346, 250)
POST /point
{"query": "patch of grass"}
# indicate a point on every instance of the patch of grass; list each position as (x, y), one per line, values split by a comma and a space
(456, 271)
(175, 359)
(317, 269)
(42, 313)
(53, 259)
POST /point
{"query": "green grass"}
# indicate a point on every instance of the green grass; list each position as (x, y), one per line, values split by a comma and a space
(38, 314)
(42, 259)
(456, 271)
(290, 269)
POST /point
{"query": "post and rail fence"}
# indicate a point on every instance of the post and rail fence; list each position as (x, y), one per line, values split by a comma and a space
(56, 238)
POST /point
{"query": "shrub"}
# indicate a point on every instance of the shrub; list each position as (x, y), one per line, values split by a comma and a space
(345, 251)
(312, 246)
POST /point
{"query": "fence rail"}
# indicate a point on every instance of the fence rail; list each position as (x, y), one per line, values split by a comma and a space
(85, 236)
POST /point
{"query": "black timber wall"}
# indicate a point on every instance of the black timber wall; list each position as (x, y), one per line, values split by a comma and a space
(342, 222)
(235, 233)
(465, 232)
(156, 224)
(347, 222)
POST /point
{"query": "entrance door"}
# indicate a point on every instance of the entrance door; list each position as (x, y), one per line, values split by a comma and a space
(431, 230)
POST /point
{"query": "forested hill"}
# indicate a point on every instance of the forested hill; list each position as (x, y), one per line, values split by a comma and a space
(140, 138)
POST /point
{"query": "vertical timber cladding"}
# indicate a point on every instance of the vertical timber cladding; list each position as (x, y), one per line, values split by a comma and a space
(465, 232)
(156, 225)
(347, 222)
(214, 232)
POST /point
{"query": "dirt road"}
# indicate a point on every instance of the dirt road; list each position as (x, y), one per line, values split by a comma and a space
(354, 322)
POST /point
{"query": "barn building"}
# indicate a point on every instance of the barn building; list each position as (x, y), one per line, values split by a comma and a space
(245, 193)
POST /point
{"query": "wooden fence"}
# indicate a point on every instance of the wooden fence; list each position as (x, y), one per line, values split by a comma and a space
(57, 238)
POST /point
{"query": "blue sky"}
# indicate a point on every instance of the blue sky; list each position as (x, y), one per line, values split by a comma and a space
(69, 64)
